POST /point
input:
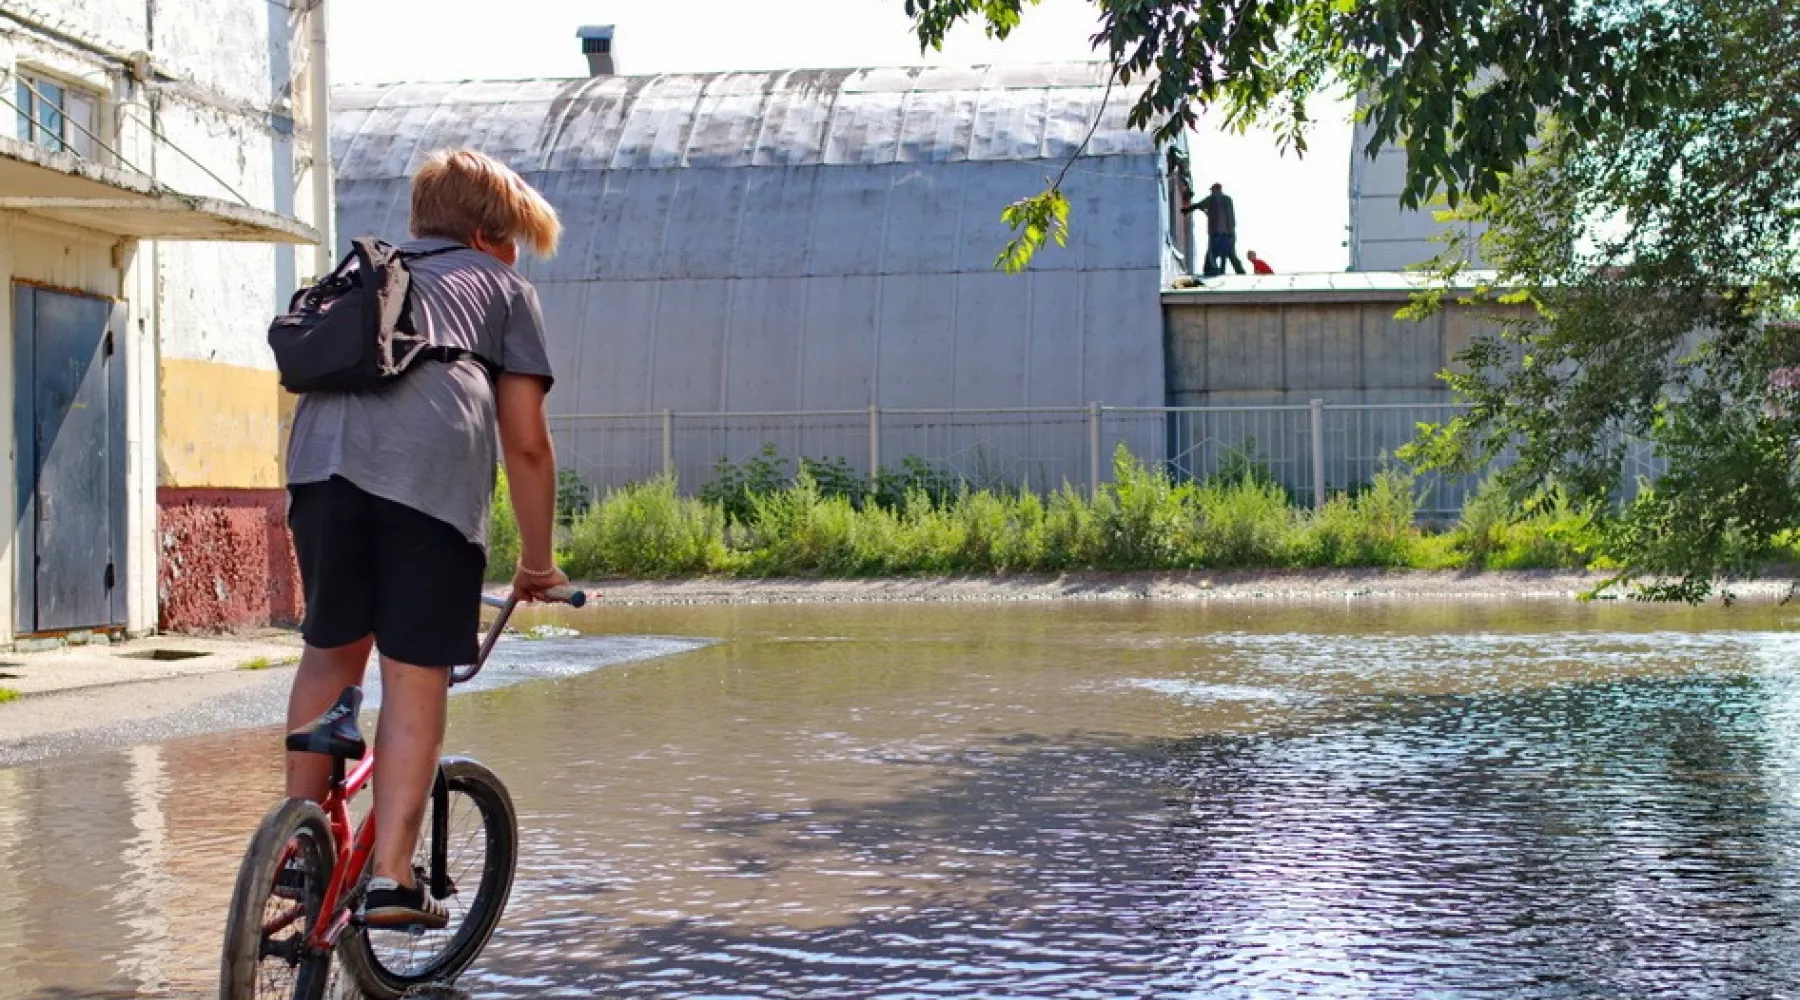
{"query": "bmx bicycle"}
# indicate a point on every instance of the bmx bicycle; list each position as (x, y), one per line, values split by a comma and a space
(303, 876)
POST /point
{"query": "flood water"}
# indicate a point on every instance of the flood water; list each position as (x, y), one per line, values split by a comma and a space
(1080, 800)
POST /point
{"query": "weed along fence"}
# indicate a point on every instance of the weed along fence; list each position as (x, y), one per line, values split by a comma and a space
(1311, 449)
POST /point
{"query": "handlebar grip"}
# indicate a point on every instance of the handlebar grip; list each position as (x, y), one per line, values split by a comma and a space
(567, 595)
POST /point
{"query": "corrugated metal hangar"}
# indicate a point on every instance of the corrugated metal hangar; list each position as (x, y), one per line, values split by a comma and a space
(808, 240)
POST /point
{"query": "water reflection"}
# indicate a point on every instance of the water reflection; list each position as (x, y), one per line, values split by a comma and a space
(1077, 801)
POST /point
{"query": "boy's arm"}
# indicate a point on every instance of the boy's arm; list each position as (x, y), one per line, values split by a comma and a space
(530, 473)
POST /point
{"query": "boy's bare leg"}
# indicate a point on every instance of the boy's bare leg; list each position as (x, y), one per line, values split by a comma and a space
(323, 675)
(408, 741)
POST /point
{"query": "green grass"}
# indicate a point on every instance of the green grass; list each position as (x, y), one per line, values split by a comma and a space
(264, 663)
(1143, 520)
(8, 694)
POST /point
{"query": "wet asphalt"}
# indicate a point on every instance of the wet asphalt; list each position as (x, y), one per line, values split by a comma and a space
(96, 720)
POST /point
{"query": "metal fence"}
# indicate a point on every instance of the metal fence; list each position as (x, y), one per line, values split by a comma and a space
(1305, 447)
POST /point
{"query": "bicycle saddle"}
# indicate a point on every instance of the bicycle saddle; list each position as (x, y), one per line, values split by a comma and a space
(334, 733)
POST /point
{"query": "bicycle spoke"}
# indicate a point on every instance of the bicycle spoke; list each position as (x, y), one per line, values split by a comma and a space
(408, 952)
(288, 914)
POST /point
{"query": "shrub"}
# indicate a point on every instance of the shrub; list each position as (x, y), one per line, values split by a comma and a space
(1485, 516)
(1244, 463)
(735, 486)
(890, 487)
(828, 520)
(1072, 531)
(573, 496)
(836, 478)
(646, 530)
(1550, 532)
(1374, 528)
(796, 530)
(1150, 521)
(503, 533)
(1245, 523)
(1020, 546)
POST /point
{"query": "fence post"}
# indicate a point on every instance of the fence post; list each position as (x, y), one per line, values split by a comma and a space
(668, 442)
(1318, 453)
(874, 443)
(1094, 450)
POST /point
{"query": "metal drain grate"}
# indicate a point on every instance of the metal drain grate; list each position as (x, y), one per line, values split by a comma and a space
(164, 654)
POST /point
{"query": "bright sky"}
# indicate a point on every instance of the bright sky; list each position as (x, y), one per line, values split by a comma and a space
(1290, 211)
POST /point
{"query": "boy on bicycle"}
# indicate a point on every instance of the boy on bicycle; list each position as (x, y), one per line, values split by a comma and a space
(390, 492)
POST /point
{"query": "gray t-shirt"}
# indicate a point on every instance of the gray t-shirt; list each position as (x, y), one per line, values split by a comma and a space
(428, 440)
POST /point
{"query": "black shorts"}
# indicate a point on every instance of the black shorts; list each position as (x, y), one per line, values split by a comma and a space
(370, 565)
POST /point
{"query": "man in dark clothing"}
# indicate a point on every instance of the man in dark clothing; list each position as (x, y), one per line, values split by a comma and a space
(1221, 231)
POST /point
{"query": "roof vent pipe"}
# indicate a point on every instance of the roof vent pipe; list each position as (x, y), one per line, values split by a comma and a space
(596, 44)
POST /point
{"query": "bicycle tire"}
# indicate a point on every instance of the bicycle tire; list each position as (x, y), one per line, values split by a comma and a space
(367, 954)
(245, 972)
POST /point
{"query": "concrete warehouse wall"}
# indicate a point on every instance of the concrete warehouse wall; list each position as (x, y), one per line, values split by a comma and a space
(1384, 236)
(1278, 347)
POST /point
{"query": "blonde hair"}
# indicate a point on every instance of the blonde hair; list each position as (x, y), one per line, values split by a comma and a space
(460, 194)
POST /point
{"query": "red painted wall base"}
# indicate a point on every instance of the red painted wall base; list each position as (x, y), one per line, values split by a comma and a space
(225, 560)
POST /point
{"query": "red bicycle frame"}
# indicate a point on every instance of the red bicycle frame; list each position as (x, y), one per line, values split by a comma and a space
(352, 854)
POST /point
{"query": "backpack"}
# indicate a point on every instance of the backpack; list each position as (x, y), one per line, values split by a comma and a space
(352, 330)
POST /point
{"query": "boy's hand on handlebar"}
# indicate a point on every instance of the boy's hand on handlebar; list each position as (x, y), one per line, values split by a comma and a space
(530, 585)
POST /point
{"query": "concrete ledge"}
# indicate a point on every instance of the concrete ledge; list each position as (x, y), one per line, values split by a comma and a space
(69, 668)
(1313, 287)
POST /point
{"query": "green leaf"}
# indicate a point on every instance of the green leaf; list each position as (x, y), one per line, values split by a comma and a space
(1037, 219)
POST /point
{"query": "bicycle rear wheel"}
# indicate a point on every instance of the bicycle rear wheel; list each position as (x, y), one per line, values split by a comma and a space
(265, 955)
(481, 848)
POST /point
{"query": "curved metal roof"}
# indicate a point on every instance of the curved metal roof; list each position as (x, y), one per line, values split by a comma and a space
(784, 118)
(803, 240)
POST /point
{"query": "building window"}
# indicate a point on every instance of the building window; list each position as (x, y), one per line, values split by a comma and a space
(56, 115)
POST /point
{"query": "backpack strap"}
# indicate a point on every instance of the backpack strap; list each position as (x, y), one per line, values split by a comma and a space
(451, 355)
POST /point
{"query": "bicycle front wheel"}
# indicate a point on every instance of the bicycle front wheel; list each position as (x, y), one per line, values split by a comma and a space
(280, 891)
(481, 848)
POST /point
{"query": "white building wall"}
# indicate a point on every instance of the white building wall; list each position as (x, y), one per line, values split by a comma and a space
(226, 114)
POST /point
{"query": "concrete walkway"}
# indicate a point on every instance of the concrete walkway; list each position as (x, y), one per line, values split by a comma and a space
(156, 658)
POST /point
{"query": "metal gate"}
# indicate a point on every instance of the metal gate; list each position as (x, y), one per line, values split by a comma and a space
(69, 427)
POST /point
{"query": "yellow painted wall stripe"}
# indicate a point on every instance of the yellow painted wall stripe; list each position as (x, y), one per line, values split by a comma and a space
(223, 426)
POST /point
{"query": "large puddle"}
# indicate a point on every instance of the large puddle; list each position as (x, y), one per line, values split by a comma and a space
(1079, 800)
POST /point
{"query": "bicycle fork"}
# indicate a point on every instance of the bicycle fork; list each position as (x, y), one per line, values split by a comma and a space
(440, 836)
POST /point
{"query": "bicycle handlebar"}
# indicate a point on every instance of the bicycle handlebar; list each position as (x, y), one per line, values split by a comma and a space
(564, 594)
(557, 595)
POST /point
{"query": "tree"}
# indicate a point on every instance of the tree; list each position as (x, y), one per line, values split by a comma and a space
(1462, 84)
(1636, 162)
(1660, 259)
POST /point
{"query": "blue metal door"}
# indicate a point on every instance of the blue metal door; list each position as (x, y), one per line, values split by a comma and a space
(69, 419)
